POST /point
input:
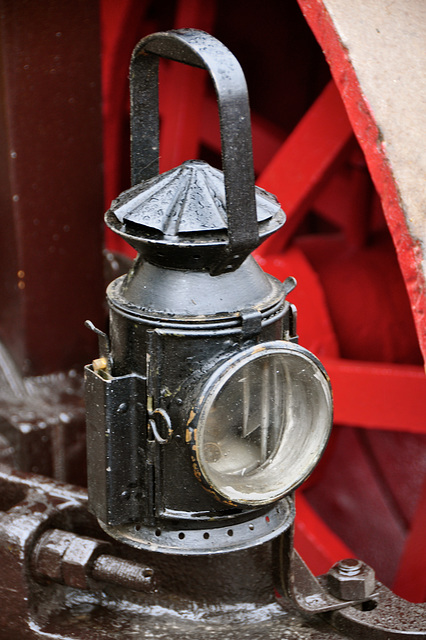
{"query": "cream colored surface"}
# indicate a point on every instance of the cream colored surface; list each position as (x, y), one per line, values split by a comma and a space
(386, 41)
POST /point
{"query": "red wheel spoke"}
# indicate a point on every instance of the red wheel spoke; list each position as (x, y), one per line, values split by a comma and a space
(378, 395)
(314, 325)
(365, 83)
(305, 159)
(316, 543)
(267, 137)
(181, 103)
(410, 581)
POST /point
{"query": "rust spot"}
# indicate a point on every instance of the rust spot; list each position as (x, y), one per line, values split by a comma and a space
(207, 486)
(197, 472)
(258, 349)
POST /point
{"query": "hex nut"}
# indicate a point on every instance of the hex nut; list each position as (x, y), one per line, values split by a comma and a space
(47, 555)
(351, 580)
(78, 559)
(66, 557)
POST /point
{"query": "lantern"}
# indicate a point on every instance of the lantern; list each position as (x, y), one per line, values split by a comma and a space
(203, 412)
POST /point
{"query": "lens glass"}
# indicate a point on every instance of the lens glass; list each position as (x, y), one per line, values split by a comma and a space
(264, 425)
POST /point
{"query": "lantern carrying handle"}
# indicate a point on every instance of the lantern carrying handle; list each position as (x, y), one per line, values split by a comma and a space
(199, 49)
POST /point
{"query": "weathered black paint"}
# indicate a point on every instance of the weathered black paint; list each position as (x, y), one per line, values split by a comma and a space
(191, 300)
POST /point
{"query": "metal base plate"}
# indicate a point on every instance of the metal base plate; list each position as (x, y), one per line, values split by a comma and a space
(222, 539)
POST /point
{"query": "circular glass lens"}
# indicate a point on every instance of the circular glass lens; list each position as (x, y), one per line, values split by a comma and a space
(264, 423)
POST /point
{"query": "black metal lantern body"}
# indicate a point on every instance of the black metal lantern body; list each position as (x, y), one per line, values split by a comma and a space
(194, 409)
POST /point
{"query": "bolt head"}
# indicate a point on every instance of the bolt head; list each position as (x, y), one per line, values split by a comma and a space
(66, 557)
(351, 579)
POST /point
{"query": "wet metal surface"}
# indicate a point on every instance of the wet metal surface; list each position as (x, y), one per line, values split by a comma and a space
(200, 49)
(174, 318)
(50, 182)
(230, 597)
(42, 423)
(384, 617)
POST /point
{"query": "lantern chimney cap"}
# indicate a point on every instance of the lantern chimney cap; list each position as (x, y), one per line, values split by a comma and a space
(181, 214)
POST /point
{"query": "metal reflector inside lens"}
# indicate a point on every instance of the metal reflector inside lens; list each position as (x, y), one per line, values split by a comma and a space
(263, 423)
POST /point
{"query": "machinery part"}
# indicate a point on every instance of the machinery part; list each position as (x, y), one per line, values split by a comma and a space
(351, 579)
(384, 617)
(378, 612)
(77, 560)
(230, 595)
(64, 557)
(123, 573)
(296, 582)
(44, 198)
(229, 589)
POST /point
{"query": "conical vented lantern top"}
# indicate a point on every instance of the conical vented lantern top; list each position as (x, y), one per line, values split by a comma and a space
(178, 219)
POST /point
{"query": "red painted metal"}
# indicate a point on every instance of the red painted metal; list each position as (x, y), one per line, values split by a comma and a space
(122, 25)
(393, 397)
(410, 582)
(365, 127)
(378, 395)
(314, 323)
(117, 19)
(366, 296)
(305, 160)
(352, 495)
(314, 540)
(182, 118)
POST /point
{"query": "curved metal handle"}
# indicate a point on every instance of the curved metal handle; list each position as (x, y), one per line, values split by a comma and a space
(199, 49)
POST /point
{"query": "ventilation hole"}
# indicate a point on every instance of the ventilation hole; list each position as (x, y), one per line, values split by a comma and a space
(148, 573)
(251, 527)
(369, 605)
(181, 536)
(267, 519)
(206, 535)
(230, 533)
(137, 527)
(158, 532)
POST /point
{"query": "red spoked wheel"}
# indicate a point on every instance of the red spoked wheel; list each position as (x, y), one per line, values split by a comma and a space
(368, 496)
